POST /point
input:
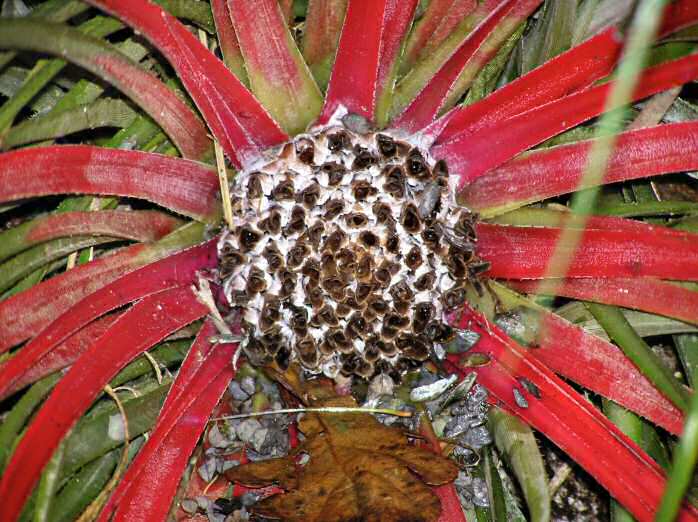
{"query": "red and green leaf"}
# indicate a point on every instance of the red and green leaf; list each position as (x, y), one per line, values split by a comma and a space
(414, 109)
(559, 170)
(648, 295)
(525, 252)
(323, 25)
(137, 225)
(145, 324)
(568, 420)
(566, 73)
(172, 272)
(236, 118)
(365, 68)
(279, 77)
(200, 383)
(175, 117)
(186, 187)
(471, 156)
(228, 41)
(26, 314)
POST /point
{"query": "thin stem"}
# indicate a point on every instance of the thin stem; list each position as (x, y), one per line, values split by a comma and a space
(326, 409)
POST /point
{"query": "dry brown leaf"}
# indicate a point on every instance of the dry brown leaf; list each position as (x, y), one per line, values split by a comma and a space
(359, 470)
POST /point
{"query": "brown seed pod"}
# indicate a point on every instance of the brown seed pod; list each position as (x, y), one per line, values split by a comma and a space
(254, 186)
(364, 369)
(440, 169)
(271, 253)
(297, 255)
(335, 172)
(346, 261)
(314, 295)
(382, 213)
(401, 307)
(438, 332)
(423, 313)
(409, 218)
(349, 364)
(369, 239)
(372, 352)
(392, 244)
(363, 290)
(305, 150)
(432, 236)
(309, 195)
(271, 313)
(283, 358)
(311, 269)
(255, 282)
(401, 291)
(453, 298)
(378, 305)
(342, 310)
(333, 207)
(307, 352)
(416, 165)
(364, 268)
(395, 182)
(356, 327)
(272, 223)
(314, 233)
(413, 259)
(363, 190)
(334, 241)
(386, 145)
(425, 282)
(327, 316)
(337, 338)
(288, 283)
(284, 190)
(338, 141)
(396, 320)
(296, 223)
(248, 238)
(356, 219)
(363, 158)
(381, 277)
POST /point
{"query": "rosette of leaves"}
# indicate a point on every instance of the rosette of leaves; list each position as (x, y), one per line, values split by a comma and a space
(506, 93)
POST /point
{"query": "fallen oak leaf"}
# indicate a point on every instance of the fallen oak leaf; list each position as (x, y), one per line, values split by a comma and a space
(358, 470)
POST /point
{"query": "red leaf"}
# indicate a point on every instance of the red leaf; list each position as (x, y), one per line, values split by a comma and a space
(473, 155)
(453, 77)
(648, 295)
(157, 277)
(566, 73)
(569, 420)
(236, 118)
(437, 22)
(62, 355)
(145, 324)
(558, 170)
(187, 187)
(369, 47)
(200, 383)
(679, 15)
(524, 253)
(27, 313)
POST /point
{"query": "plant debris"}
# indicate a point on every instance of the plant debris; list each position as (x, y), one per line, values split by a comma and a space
(349, 467)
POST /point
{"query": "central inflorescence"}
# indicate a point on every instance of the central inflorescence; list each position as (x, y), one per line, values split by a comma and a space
(347, 252)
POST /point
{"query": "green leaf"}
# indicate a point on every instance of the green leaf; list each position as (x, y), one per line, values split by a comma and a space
(618, 329)
(517, 444)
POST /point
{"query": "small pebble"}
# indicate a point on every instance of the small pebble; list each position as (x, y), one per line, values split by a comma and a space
(248, 385)
(189, 506)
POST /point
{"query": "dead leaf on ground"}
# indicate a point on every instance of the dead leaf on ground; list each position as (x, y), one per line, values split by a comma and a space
(358, 471)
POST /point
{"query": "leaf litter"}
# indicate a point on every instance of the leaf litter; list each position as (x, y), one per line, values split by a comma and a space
(349, 467)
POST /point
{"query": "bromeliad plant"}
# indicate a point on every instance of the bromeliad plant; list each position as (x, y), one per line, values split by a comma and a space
(378, 206)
